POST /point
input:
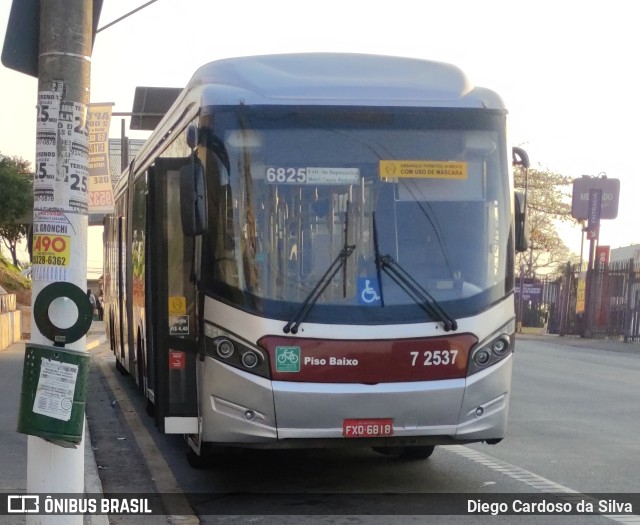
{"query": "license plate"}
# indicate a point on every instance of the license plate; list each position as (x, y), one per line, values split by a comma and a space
(363, 428)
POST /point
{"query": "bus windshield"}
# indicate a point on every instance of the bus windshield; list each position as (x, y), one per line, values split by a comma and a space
(290, 189)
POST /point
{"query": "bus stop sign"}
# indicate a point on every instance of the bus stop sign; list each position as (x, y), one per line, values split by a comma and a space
(608, 203)
(22, 39)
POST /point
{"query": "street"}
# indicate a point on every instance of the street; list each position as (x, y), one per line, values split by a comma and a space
(574, 426)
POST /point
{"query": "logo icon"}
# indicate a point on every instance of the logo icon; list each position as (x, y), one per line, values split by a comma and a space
(288, 358)
(368, 292)
(23, 504)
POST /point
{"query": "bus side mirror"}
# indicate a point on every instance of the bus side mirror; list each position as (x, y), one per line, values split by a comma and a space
(519, 157)
(193, 199)
(522, 226)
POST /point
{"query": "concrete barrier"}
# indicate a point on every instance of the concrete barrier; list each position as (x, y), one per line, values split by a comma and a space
(533, 330)
(10, 331)
(7, 302)
(25, 322)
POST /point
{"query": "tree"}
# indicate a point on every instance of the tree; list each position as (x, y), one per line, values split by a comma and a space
(11, 235)
(16, 203)
(548, 202)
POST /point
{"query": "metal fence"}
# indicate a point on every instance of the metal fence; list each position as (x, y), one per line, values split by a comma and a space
(600, 303)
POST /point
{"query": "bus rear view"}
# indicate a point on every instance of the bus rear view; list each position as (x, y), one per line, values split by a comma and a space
(333, 242)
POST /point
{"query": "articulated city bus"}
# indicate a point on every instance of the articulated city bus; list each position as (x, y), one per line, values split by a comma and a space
(317, 250)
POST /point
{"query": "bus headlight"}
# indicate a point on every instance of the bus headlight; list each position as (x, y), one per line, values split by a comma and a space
(491, 351)
(482, 357)
(250, 359)
(224, 348)
(500, 346)
(232, 351)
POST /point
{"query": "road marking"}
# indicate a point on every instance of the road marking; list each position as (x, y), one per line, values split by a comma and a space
(535, 481)
(177, 505)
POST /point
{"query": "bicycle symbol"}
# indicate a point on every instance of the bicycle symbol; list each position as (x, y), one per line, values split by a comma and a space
(288, 355)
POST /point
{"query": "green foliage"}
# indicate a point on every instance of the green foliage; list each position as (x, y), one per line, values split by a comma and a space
(548, 203)
(16, 203)
(17, 190)
(11, 279)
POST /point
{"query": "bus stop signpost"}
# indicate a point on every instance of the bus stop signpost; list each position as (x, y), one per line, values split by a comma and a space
(55, 45)
(594, 199)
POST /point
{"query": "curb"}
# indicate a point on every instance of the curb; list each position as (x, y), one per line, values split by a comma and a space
(94, 342)
(92, 483)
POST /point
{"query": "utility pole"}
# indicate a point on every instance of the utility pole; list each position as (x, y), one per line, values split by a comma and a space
(61, 207)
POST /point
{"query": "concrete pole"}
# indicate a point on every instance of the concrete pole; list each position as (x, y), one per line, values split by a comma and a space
(60, 206)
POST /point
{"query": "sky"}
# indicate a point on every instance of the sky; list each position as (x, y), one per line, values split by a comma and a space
(566, 69)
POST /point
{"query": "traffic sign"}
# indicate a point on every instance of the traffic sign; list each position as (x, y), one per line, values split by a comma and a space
(595, 209)
(22, 39)
(608, 204)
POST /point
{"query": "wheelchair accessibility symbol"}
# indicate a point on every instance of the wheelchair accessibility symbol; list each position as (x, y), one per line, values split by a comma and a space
(368, 292)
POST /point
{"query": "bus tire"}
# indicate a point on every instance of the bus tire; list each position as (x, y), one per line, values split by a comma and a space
(112, 339)
(121, 368)
(195, 460)
(140, 364)
(150, 408)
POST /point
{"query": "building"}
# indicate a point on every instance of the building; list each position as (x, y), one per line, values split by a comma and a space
(625, 253)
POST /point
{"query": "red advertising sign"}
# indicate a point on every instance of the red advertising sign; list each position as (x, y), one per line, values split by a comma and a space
(601, 283)
(177, 360)
(602, 258)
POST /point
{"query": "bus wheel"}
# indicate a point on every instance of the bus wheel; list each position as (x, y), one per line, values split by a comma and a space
(121, 368)
(140, 365)
(195, 460)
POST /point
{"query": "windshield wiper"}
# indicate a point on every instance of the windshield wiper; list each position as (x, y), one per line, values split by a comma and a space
(423, 298)
(339, 262)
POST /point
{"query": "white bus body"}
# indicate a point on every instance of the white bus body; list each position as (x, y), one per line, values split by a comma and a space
(317, 250)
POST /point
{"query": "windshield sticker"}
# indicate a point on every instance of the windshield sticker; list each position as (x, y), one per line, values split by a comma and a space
(178, 318)
(178, 325)
(177, 305)
(423, 169)
(368, 292)
(291, 175)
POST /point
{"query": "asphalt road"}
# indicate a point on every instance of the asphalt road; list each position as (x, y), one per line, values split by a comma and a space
(574, 430)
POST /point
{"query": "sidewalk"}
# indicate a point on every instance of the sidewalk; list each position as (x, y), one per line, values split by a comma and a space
(611, 345)
(13, 465)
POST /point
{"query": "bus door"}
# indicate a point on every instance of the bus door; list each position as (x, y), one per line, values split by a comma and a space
(115, 288)
(172, 295)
